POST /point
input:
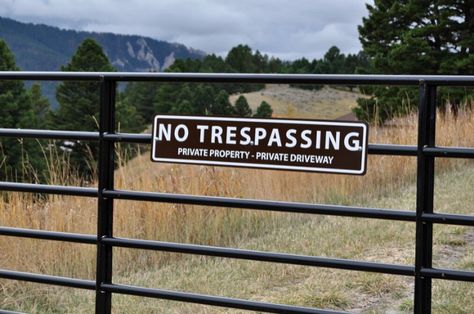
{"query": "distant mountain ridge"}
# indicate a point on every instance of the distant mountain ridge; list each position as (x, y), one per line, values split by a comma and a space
(39, 47)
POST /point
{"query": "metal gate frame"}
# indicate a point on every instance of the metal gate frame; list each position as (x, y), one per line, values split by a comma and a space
(424, 217)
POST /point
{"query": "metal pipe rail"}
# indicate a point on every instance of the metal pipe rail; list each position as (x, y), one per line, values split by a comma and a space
(48, 279)
(211, 300)
(49, 235)
(424, 217)
(48, 189)
(304, 208)
(332, 79)
(376, 149)
(281, 258)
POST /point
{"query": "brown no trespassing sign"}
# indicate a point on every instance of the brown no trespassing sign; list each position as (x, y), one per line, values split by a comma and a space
(304, 145)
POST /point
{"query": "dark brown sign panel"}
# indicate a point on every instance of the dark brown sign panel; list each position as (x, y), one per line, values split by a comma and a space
(305, 145)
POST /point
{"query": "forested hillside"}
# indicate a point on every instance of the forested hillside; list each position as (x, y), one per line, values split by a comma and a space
(78, 102)
(46, 48)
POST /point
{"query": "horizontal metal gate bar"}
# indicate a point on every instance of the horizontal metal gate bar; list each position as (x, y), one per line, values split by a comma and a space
(262, 256)
(50, 134)
(450, 219)
(375, 149)
(449, 152)
(48, 235)
(49, 189)
(448, 274)
(333, 79)
(304, 208)
(211, 300)
(47, 279)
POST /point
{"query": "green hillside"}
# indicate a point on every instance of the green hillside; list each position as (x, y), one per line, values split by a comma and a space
(46, 48)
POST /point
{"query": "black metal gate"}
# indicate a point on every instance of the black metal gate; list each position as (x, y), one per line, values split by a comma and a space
(426, 151)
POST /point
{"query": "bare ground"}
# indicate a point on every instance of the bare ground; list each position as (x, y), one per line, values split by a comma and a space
(289, 102)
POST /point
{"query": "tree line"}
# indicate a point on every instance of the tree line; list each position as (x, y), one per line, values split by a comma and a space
(189, 98)
(398, 37)
(416, 37)
(79, 102)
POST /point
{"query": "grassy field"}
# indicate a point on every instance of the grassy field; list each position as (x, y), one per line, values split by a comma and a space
(363, 239)
(288, 102)
(389, 183)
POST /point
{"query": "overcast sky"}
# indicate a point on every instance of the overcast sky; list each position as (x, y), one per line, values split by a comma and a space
(288, 29)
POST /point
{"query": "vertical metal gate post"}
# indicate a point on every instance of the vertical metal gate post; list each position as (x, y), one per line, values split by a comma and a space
(424, 197)
(105, 204)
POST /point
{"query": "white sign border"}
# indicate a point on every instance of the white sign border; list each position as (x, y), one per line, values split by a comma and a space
(263, 166)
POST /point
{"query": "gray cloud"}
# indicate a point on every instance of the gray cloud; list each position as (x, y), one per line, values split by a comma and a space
(282, 28)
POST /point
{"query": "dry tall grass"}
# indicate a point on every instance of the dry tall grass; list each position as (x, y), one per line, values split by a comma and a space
(199, 224)
(290, 102)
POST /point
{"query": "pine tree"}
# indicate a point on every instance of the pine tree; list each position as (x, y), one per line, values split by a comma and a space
(40, 105)
(183, 107)
(221, 106)
(19, 159)
(184, 102)
(165, 97)
(415, 37)
(16, 107)
(203, 98)
(264, 110)
(79, 103)
(333, 62)
(241, 59)
(242, 108)
(127, 117)
(141, 95)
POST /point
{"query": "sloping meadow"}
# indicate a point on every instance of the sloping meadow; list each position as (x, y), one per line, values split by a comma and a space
(211, 225)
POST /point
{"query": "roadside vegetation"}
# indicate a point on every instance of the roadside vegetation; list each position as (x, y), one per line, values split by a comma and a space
(389, 183)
